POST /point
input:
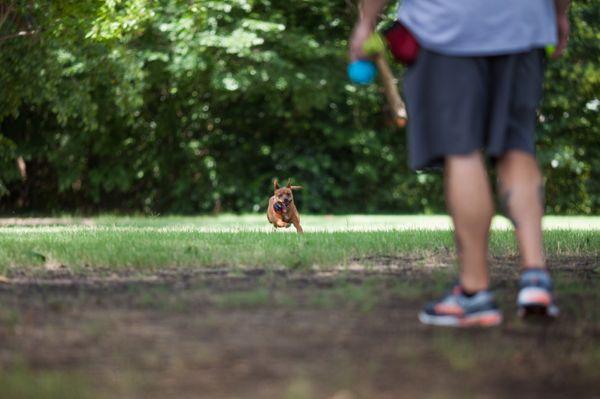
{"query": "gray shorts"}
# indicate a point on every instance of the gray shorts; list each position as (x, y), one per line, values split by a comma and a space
(458, 105)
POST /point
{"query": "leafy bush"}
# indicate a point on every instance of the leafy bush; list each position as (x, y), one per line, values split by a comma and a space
(165, 106)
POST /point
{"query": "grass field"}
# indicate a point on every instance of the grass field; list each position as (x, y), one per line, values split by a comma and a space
(223, 307)
(146, 245)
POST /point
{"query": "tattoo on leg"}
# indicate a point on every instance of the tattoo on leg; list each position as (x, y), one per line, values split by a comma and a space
(458, 244)
(505, 205)
(542, 196)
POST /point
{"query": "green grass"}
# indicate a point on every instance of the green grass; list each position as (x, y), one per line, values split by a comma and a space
(23, 383)
(147, 245)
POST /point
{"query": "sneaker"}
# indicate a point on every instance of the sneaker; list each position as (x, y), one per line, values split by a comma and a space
(535, 294)
(458, 310)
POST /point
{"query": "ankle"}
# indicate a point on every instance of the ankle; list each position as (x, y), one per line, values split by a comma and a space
(471, 287)
(534, 266)
(468, 293)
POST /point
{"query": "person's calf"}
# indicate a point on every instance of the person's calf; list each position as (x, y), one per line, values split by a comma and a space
(469, 202)
(521, 194)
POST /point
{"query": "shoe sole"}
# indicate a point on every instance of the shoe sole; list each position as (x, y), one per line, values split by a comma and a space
(536, 302)
(538, 311)
(483, 319)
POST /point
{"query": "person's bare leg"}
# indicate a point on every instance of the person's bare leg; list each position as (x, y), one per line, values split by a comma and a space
(469, 201)
(521, 192)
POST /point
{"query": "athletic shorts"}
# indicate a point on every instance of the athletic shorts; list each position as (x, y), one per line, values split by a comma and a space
(459, 105)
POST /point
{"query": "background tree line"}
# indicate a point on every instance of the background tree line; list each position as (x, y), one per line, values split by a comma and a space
(172, 106)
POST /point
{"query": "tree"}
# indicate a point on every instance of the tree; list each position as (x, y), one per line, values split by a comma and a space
(179, 106)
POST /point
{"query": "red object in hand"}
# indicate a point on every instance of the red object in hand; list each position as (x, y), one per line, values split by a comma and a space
(402, 44)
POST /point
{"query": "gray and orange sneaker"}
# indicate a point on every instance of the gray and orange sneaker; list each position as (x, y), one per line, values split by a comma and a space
(458, 310)
(536, 294)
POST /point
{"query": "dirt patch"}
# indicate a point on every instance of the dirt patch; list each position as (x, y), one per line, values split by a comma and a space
(257, 333)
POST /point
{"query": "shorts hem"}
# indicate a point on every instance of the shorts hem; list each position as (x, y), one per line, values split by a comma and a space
(436, 162)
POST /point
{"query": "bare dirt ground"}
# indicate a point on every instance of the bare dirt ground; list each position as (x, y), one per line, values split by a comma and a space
(256, 333)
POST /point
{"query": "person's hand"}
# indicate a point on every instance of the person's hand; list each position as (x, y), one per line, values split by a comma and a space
(562, 20)
(360, 34)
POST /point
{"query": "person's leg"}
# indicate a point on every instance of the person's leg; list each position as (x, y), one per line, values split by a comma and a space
(448, 101)
(521, 193)
(469, 201)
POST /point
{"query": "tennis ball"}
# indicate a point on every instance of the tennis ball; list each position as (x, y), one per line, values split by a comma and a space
(362, 72)
(374, 44)
(550, 49)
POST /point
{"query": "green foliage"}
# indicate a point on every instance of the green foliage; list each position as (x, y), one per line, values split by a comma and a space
(569, 142)
(177, 106)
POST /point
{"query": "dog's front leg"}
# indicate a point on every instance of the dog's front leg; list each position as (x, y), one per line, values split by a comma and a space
(296, 223)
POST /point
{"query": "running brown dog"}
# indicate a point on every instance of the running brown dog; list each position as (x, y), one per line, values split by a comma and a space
(282, 211)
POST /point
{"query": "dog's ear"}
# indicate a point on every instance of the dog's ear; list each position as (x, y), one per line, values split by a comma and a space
(296, 187)
(289, 183)
(275, 184)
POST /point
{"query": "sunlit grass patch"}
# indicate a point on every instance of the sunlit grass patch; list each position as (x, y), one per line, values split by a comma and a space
(147, 245)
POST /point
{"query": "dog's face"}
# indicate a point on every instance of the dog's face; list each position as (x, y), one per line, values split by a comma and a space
(283, 195)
